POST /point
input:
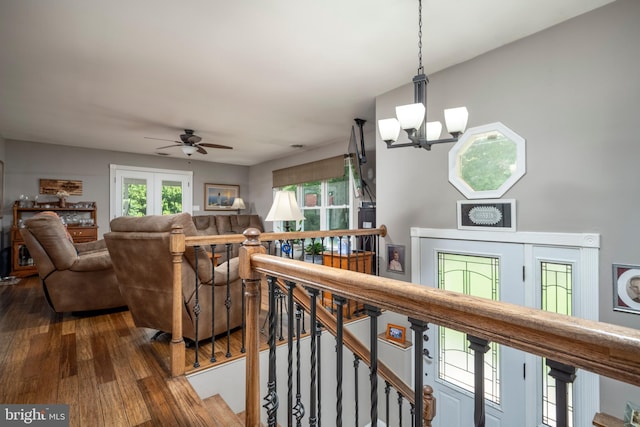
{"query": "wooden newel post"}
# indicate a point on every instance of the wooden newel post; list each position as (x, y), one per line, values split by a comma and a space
(177, 246)
(429, 403)
(252, 300)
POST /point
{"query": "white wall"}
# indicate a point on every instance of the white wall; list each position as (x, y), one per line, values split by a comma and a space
(572, 92)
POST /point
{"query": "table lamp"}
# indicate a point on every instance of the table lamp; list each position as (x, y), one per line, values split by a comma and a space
(284, 208)
(238, 204)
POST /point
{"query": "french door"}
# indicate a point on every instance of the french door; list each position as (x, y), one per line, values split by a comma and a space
(550, 271)
(143, 191)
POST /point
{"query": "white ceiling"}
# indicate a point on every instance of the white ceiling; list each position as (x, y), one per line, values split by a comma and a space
(257, 75)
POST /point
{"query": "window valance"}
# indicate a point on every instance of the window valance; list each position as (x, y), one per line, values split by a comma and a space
(332, 167)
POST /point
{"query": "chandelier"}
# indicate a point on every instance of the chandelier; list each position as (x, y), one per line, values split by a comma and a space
(413, 117)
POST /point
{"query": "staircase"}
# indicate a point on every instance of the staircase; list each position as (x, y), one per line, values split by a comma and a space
(221, 413)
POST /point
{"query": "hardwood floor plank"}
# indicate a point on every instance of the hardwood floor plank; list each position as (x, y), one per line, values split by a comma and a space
(89, 405)
(156, 395)
(102, 360)
(112, 403)
(68, 360)
(194, 410)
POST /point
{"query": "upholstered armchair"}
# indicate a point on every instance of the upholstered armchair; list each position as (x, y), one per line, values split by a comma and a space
(139, 248)
(75, 277)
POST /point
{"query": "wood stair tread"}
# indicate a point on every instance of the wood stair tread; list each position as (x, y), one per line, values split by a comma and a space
(222, 414)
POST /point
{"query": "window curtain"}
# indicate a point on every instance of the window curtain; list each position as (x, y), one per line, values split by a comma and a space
(332, 167)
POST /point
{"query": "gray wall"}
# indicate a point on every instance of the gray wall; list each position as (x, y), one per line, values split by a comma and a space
(27, 162)
(572, 92)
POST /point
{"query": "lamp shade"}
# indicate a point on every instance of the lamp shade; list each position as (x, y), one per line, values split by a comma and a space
(188, 149)
(434, 129)
(238, 203)
(410, 116)
(389, 129)
(284, 208)
(456, 119)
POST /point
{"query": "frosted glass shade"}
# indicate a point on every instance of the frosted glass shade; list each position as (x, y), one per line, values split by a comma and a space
(188, 149)
(389, 129)
(238, 203)
(434, 129)
(410, 116)
(456, 119)
(284, 208)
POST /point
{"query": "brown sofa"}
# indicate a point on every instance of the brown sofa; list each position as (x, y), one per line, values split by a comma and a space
(75, 277)
(139, 248)
(207, 225)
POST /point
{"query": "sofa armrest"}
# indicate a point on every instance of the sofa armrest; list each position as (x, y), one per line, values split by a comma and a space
(97, 245)
(92, 261)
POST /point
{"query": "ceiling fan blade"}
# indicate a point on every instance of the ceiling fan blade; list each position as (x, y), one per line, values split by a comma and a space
(162, 139)
(169, 146)
(201, 150)
(223, 147)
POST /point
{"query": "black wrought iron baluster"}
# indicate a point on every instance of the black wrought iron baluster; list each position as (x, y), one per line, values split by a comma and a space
(339, 357)
(400, 401)
(373, 313)
(356, 364)
(196, 309)
(319, 372)
(419, 327)
(313, 323)
(213, 303)
(413, 414)
(227, 301)
(298, 409)
(281, 297)
(387, 391)
(290, 330)
(271, 399)
(563, 374)
(480, 347)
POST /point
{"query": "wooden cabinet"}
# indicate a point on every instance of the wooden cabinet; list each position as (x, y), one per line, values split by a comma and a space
(81, 220)
(360, 261)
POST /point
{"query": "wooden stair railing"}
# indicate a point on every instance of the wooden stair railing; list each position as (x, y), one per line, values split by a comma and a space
(179, 242)
(605, 349)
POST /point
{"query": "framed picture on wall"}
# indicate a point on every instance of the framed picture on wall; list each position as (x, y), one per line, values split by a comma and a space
(220, 197)
(395, 258)
(626, 288)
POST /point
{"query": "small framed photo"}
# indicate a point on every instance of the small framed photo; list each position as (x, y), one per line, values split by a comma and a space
(396, 333)
(631, 415)
(496, 214)
(626, 288)
(395, 258)
(220, 197)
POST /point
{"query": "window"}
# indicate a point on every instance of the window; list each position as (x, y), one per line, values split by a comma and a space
(143, 191)
(326, 204)
(487, 161)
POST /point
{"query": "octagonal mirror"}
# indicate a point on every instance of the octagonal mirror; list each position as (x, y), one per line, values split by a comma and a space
(487, 161)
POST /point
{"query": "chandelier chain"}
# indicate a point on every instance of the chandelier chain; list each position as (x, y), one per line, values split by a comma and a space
(420, 67)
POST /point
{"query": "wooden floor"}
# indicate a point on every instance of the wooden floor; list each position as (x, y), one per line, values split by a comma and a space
(106, 369)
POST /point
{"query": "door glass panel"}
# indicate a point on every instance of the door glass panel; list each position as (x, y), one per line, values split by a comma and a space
(477, 276)
(171, 197)
(134, 197)
(557, 290)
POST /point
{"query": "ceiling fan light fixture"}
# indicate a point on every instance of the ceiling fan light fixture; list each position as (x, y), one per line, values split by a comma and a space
(188, 149)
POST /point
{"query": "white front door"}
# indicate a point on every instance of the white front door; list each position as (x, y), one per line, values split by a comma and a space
(489, 270)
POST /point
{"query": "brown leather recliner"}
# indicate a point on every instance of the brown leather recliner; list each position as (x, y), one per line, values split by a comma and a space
(139, 248)
(75, 277)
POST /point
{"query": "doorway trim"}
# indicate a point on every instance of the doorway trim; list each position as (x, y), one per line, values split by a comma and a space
(588, 398)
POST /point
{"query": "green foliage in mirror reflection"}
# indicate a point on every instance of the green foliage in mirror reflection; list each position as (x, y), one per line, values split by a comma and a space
(488, 162)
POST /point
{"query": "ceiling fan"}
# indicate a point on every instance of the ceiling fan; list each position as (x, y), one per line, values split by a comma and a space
(190, 143)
